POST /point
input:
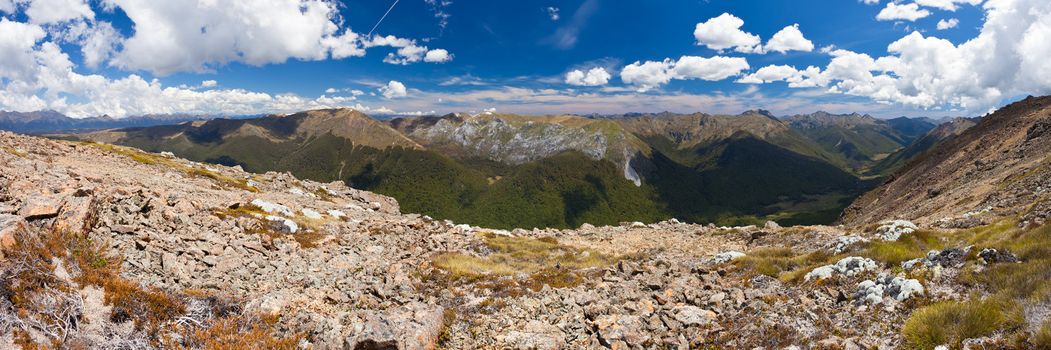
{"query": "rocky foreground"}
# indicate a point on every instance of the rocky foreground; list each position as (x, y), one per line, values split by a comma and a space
(300, 264)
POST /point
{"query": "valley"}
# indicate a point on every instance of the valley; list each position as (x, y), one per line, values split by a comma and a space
(508, 171)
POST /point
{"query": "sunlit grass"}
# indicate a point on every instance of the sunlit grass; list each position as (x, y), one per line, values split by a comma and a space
(521, 262)
(784, 263)
(908, 247)
(952, 322)
(13, 151)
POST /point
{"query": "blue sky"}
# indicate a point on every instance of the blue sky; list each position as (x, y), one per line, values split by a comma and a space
(887, 58)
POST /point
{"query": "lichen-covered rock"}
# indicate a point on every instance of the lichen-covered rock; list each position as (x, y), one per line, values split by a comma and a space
(726, 257)
(694, 316)
(896, 288)
(536, 335)
(994, 256)
(849, 266)
(40, 207)
(281, 224)
(273, 208)
(415, 326)
(621, 328)
(952, 257)
(894, 229)
(845, 243)
(10, 225)
(311, 214)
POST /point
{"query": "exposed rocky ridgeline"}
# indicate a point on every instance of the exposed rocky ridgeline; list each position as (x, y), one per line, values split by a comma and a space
(196, 255)
(995, 169)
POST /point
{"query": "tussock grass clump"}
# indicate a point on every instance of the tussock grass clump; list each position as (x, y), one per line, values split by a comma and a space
(153, 159)
(908, 247)
(232, 333)
(1042, 338)
(521, 262)
(521, 255)
(1029, 280)
(952, 322)
(309, 235)
(1005, 285)
(13, 151)
(784, 263)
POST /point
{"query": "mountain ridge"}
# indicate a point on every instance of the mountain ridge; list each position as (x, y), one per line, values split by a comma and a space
(988, 168)
(459, 166)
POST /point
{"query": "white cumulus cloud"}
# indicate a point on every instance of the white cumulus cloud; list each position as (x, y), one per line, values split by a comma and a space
(408, 51)
(437, 56)
(597, 76)
(393, 89)
(1007, 59)
(173, 36)
(898, 12)
(948, 24)
(710, 69)
(652, 74)
(54, 11)
(947, 5)
(724, 32)
(789, 39)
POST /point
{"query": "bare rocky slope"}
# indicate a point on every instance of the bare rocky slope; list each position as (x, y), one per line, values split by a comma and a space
(113, 248)
(997, 168)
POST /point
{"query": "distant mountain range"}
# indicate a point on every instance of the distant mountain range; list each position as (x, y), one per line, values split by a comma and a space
(43, 122)
(502, 170)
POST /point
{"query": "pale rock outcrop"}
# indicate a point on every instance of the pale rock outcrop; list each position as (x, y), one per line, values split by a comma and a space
(894, 229)
(726, 257)
(849, 266)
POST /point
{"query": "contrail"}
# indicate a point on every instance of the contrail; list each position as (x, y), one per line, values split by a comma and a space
(384, 16)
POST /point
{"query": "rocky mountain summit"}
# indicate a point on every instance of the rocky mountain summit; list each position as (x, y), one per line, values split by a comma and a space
(113, 248)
